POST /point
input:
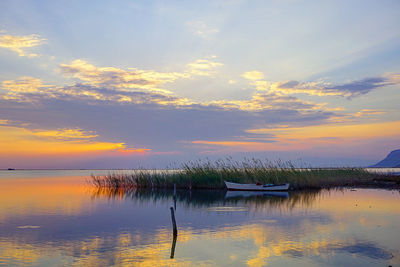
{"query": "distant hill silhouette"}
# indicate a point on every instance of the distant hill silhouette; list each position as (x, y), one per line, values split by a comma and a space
(391, 161)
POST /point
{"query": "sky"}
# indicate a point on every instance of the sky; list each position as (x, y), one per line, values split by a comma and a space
(151, 84)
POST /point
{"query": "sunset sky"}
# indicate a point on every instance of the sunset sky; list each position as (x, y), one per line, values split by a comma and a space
(128, 84)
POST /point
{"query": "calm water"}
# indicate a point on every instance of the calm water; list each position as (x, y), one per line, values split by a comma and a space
(53, 218)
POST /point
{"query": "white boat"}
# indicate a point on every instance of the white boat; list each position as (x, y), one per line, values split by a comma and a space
(257, 187)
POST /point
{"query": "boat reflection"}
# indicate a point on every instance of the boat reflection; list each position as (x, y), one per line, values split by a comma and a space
(254, 194)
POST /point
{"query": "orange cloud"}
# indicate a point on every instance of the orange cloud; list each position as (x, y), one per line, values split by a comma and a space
(339, 131)
(291, 138)
(16, 141)
(134, 150)
(368, 112)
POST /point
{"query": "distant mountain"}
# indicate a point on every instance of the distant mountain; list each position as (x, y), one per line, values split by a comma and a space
(391, 161)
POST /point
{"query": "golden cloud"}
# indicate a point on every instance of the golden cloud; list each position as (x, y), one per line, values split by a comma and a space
(253, 75)
(65, 134)
(23, 85)
(368, 112)
(119, 78)
(203, 67)
(21, 89)
(20, 43)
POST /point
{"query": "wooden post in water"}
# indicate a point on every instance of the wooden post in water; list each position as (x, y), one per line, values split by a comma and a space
(175, 230)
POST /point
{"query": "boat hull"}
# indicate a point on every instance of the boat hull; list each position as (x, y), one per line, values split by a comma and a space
(255, 187)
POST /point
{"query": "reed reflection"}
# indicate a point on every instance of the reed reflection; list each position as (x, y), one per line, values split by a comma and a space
(283, 201)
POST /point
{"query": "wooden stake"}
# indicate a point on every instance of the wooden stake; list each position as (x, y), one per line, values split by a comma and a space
(175, 230)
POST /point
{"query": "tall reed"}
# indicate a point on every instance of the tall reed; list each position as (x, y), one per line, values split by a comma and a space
(211, 175)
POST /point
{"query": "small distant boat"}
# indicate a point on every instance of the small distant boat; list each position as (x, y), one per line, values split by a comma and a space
(257, 187)
(11, 169)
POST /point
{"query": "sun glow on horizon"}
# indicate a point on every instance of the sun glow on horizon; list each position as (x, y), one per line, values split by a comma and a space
(15, 141)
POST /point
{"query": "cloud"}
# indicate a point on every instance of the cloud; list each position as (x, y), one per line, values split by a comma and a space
(322, 88)
(201, 29)
(119, 78)
(339, 134)
(149, 124)
(203, 67)
(23, 85)
(349, 90)
(368, 112)
(127, 111)
(65, 134)
(20, 44)
(269, 101)
(29, 89)
(134, 79)
(284, 138)
(232, 82)
(19, 140)
(371, 114)
(135, 109)
(360, 87)
(253, 75)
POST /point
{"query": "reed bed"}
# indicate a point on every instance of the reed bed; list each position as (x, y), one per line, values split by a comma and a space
(211, 175)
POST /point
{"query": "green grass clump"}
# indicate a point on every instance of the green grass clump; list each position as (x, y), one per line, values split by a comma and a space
(211, 175)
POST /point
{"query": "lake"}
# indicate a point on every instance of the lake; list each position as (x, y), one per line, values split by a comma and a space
(54, 218)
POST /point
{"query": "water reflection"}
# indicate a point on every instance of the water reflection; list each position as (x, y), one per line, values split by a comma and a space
(82, 226)
(206, 198)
